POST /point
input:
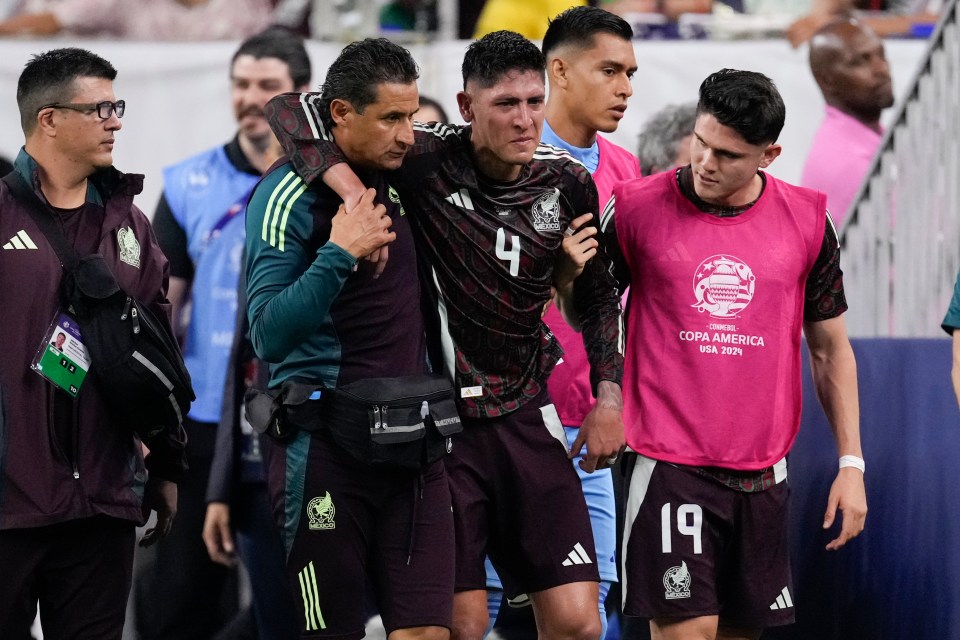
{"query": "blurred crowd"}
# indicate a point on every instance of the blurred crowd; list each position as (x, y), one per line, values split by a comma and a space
(349, 19)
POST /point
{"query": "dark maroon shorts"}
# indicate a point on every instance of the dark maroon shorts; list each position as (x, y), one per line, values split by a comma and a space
(694, 547)
(352, 529)
(517, 497)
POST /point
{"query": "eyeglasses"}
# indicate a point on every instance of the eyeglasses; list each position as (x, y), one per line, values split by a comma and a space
(104, 109)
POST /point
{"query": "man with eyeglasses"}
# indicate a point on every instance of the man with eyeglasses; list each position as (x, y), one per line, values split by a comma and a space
(104, 110)
(199, 223)
(73, 483)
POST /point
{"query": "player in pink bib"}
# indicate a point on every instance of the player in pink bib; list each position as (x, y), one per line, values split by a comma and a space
(727, 267)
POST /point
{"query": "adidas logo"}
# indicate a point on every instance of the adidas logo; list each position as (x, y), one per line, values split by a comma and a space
(676, 253)
(20, 241)
(784, 601)
(577, 556)
(461, 199)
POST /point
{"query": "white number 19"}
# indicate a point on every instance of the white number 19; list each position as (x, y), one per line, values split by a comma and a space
(689, 523)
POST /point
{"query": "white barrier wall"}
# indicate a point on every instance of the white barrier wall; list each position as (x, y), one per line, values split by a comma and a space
(901, 242)
(178, 93)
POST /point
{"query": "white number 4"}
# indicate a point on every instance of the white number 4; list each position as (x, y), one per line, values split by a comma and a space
(689, 523)
(511, 255)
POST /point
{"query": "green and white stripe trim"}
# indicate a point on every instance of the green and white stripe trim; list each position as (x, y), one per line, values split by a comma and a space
(279, 205)
(311, 599)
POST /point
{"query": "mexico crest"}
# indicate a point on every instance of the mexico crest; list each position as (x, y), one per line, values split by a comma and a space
(129, 247)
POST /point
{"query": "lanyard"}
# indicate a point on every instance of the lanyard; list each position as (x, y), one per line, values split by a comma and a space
(225, 219)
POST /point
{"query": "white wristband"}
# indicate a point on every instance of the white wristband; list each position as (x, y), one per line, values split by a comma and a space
(852, 461)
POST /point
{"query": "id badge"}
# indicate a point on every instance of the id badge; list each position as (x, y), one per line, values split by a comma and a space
(62, 358)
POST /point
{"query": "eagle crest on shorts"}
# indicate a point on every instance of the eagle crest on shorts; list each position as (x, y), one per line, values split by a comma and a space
(321, 512)
(676, 581)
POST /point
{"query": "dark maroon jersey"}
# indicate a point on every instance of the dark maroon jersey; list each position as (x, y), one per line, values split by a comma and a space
(489, 248)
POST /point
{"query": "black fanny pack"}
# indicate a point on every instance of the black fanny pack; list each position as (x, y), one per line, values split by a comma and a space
(404, 422)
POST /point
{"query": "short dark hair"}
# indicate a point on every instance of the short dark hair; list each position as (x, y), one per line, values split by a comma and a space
(662, 134)
(579, 25)
(746, 101)
(433, 104)
(498, 53)
(50, 77)
(359, 68)
(284, 45)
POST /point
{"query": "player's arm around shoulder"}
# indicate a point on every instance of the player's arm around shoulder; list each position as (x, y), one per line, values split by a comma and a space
(306, 141)
(436, 138)
(834, 369)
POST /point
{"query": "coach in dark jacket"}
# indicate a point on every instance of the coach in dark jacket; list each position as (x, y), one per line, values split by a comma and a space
(73, 483)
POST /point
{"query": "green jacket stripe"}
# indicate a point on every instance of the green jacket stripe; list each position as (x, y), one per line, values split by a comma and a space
(286, 212)
(277, 205)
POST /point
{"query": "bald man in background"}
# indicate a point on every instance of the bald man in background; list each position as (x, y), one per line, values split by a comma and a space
(848, 62)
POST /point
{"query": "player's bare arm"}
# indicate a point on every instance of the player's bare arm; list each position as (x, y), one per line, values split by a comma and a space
(342, 179)
(596, 303)
(835, 379)
(602, 430)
